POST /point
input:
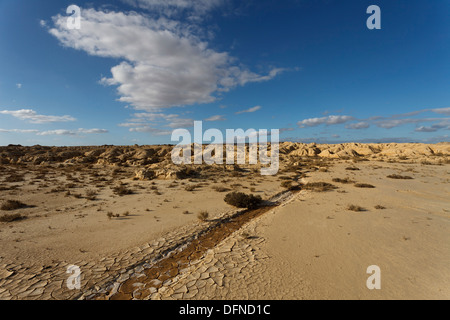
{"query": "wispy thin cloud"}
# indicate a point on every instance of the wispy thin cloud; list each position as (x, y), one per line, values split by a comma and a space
(445, 111)
(19, 131)
(193, 8)
(385, 122)
(251, 110)
(392, 123)
(358, 125)
(156, 123)
(435, 127)
(216, 118)
(33, 117)
(154, 131)
(58, 132)
(329, 120)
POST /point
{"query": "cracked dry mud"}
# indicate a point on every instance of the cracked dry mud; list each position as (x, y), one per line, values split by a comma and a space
(195, 262)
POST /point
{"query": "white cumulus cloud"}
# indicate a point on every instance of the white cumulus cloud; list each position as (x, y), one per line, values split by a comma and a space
(164, 63)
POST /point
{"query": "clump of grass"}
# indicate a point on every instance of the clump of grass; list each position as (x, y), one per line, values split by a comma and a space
(10, 205)
(203, 216)
(14, 178)
(111, 215)
(286, 184)
(397, 176)
(345, 180)
(319, 186)
(356, 208)
(379, 207)
(187, 173)
(126, 214)
(190, 188)
(242, 200)
(220, 189)
(91, 194)
(122, 190)
(11, 217)
(364, 185)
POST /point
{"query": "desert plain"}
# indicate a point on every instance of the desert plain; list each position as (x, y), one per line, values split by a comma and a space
(139, 227)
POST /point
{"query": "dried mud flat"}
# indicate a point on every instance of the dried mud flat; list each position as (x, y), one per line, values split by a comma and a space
(128, 218)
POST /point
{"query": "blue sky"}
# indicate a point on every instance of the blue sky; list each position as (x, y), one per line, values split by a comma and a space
(138, 69)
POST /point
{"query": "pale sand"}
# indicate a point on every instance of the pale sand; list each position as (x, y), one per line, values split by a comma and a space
(310, 247)
(70, 229)
(320, 250)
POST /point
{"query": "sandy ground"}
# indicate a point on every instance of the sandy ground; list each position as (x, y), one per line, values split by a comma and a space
(309, 247)
(64, 228)
(320, 250)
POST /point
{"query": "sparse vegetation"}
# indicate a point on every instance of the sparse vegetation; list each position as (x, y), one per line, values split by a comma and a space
(91, 194)
(364, 185)
(10, 205)
(379, 207)
(286, 184)
(111, 215)
(397, 176)
(242, 200)
(122, 190)
(14, 178)
(319, 186)
(356, 208)
(190, 188)
(11, 217)
(220, 189)
(344, 181)
(186, 173)
(203, 216)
